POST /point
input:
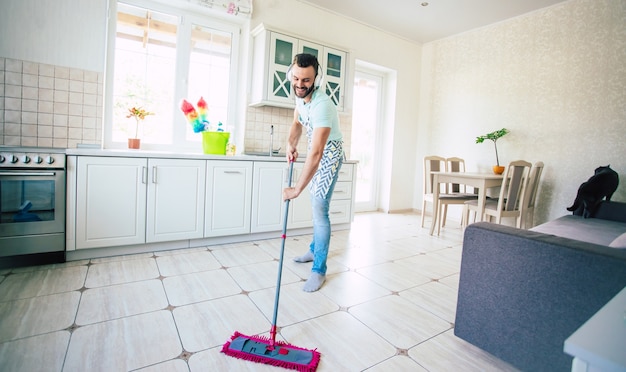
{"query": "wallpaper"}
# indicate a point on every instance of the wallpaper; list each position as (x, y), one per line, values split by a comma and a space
(556, 78)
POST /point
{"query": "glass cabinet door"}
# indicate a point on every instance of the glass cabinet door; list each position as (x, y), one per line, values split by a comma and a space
(334, 75)
(282, 50)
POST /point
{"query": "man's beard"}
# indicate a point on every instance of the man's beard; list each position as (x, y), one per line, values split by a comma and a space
(306, 93)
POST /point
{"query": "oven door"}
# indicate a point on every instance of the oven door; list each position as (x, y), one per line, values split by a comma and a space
(32, 202)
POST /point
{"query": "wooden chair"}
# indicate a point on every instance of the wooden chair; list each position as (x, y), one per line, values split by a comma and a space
(439, 164)
(455, 193)
(511, 199)
(431, 164)
(528, 210)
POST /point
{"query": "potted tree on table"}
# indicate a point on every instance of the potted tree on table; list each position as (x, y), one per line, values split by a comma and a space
(139, 114)
(494, 136)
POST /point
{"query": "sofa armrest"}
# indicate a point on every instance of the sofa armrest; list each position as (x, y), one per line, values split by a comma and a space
(522, 293)
(609, 210)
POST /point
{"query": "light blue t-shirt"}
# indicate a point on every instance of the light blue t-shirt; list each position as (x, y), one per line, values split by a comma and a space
(320, 112)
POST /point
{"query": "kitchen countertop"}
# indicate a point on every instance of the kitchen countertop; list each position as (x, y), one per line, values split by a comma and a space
(175, 155)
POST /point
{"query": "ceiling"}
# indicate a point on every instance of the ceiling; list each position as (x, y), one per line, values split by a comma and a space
(439, 19)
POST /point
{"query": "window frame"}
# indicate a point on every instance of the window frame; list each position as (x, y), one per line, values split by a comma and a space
(189, 15)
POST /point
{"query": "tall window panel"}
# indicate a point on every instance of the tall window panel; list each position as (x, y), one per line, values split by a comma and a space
(162, 55)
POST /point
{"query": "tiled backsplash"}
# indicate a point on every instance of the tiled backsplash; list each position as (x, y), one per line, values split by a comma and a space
(43, 105)
(260, 119)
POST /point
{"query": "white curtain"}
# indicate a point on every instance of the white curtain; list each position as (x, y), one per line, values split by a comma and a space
(241, 8)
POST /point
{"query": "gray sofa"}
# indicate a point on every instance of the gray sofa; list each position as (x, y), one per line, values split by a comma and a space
(523, 292)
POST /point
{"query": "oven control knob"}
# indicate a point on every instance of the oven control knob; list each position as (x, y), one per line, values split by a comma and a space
(2, 159)
(26, 159)
(38, 159)
(14, 159)
(49, 160)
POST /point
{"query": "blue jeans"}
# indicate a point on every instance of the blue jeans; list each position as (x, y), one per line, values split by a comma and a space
(321, 228)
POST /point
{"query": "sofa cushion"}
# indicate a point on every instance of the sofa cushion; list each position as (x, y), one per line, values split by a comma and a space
(619, 242)
(590, 230)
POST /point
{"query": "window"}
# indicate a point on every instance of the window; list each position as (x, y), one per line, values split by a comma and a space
(160, 56)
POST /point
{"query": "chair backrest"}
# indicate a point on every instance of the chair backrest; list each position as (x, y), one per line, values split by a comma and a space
(514, 183)
(533, 185)
(455, 164)
(432, 164)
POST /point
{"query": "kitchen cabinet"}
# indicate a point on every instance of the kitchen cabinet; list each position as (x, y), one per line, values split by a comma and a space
(228, 198)
(267, 205)
(145, 202)
(175, 207)
(269, 179)
(126, 201)
(273, 53)
(111, 202)
(342, 203)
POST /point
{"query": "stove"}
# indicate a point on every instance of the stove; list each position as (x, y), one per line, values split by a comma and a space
(32, 205)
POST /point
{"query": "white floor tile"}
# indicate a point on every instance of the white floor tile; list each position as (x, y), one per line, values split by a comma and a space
(295, 305)
(122, 300)
(176, 365)
(398, 363)
(349, 289)
(437, 298)
(43, 353)
(261, 275)
(409, 326)
(215, 360)
(344, 342)
(118, 272)
(241, 255)
(37, 315)
(210, 324)
(197, 287)
(186, 263)
(124, 344)
(42, 282)
(446, 352)
(393, 276)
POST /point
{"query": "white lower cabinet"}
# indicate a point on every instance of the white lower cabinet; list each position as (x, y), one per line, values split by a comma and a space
(175, 208)
(111, 201)
(267, 196)
(228, 198)
(341, 205)
(126, 201)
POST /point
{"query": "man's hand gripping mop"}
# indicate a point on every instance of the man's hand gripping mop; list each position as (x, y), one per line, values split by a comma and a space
(266, 350)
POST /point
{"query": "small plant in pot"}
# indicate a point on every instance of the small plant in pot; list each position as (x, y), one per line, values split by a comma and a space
(494, 136)
(139, 114)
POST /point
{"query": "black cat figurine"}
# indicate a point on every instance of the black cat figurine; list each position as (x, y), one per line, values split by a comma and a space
(602, 184)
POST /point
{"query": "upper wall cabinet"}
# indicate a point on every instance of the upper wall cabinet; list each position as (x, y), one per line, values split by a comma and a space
(273, 53)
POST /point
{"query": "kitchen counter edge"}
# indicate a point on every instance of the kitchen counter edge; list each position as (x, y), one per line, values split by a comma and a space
(175, 155)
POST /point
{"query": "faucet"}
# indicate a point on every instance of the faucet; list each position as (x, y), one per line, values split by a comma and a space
(271, 140)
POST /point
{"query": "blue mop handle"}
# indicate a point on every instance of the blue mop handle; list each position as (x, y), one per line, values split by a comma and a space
(280, 262)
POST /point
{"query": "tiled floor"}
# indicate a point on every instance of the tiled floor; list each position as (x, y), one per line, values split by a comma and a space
(388, 304)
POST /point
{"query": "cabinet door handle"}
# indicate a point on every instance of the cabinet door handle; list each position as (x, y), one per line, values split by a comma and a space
(154, 174)
(144, 174)
(232, 172)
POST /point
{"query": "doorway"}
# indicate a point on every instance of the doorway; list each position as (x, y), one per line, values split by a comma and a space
(366, 140)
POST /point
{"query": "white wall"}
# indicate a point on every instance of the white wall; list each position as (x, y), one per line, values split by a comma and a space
(69, 33)
(370, 45)
(556, 78)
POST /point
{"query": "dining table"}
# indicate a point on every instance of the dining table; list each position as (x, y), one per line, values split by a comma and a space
(477, 180)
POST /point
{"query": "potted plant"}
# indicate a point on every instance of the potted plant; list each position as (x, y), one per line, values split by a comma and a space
(494, 136)
(139, 114)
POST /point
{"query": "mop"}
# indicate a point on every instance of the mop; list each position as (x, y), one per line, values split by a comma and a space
(267, 350)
